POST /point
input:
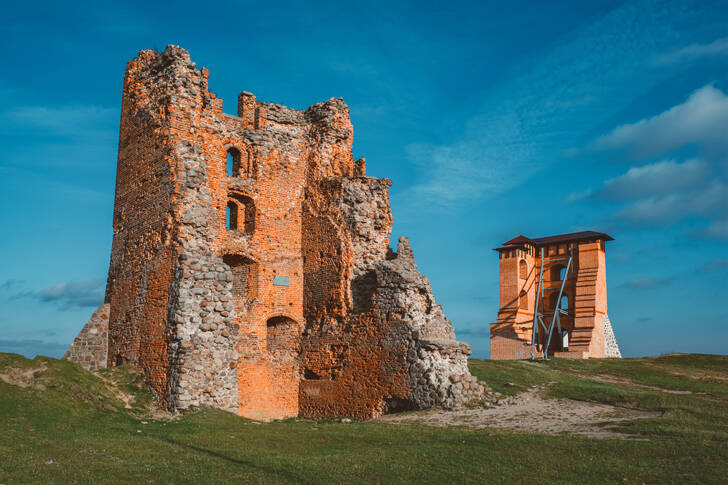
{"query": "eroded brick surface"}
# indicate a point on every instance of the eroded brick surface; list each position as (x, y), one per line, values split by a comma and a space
(264, 286)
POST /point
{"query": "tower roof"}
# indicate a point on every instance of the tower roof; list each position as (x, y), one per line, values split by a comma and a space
(560, 238)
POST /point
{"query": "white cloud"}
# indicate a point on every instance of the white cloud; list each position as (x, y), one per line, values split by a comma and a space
(538, 106)
(577, 196)
(673, 207)
(695, 51)
(700, 120)
(718, 229)
(655, 179)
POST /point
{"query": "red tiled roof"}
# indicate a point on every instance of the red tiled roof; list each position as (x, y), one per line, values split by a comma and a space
(518, 240)
(561, 238)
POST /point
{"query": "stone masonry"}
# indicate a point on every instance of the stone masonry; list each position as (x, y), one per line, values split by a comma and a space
(250, 267)
(91, 345)
(583, 315)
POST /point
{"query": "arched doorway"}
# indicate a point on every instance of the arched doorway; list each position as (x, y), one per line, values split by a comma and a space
(282, 339)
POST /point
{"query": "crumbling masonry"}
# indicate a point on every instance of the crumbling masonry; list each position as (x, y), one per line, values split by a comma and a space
(250, 267)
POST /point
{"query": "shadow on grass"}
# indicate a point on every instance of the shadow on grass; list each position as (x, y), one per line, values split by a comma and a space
(237, 461)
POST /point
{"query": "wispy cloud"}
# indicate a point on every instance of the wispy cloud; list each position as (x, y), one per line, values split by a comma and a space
(69, 294)
(544, 104)
(577, 196)
(670, 208)
(495, 155)
(716, 264)
(692, 52)
(700, 120)
(474, 331)
(718, 229)
(10, 285)
(76, 120)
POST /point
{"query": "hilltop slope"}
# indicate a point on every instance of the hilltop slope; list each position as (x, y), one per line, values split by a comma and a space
(61, 424)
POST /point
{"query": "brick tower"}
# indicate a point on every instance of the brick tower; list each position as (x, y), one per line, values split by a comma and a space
(578, 261)
(250, 267)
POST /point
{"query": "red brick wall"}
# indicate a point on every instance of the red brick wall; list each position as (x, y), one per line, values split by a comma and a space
(142, 258)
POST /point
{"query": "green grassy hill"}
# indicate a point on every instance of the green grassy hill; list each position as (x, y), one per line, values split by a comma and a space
(60, 424)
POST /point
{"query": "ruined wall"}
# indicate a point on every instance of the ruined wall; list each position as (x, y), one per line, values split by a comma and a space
(225, 282)
(375, 341)
(143, 257)
(90, 347)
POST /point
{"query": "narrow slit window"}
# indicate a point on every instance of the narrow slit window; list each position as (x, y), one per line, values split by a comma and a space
(233, 162)
(232, 216)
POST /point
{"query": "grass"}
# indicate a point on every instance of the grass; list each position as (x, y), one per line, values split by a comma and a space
(80, 424)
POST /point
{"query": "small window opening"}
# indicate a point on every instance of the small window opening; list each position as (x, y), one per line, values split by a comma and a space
(523, 269)
(564, 302)
(523, 300)
(232, 216)
(233, 162)
(557, 273)
(562, 274)
(241, 214)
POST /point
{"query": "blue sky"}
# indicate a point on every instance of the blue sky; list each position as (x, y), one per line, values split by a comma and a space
(492, 119)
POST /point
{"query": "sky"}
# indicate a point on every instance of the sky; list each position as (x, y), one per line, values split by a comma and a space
(492, 119)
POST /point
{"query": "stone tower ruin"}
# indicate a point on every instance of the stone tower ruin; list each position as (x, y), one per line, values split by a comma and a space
(578, 261)
(250, 268)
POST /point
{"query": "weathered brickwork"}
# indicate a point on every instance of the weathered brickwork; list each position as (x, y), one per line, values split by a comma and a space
(90, 347)
(250, 267)
(584, 298)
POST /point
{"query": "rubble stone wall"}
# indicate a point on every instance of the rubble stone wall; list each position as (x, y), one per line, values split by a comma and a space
(611, 347)
(90, 347)
(266, 288)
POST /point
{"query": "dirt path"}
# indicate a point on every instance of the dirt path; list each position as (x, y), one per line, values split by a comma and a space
(530, 412)
(127, 399)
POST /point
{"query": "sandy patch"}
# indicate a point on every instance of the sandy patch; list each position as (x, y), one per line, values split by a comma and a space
(24, 377)
(531, 413)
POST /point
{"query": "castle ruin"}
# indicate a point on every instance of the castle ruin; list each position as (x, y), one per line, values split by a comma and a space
(548, 281)
(250, 266)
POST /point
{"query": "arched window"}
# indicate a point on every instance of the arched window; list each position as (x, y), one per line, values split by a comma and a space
(241, 213)
(244, 277)
(232, 216)
(556, 272)
(233, 162)
(281, 338)
(564, 302)
(523, 300)
(523, 269)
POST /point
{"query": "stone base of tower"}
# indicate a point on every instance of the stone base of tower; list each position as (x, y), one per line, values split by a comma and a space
(512, 341)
